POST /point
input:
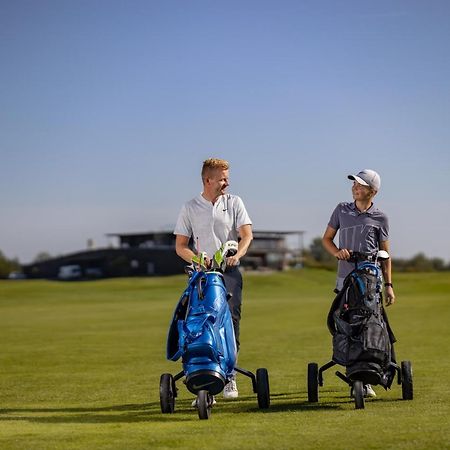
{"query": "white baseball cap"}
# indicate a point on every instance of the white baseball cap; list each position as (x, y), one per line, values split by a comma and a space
(367, 177)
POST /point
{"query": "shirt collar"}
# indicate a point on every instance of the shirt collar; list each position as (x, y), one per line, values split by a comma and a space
(369, 211)
(203, 200)
(207, 202)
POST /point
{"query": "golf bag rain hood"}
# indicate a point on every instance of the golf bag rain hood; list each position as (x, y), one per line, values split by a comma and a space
(201, 333)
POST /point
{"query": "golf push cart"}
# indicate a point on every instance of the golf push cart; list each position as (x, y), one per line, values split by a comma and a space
(202, 334)
(362, 338)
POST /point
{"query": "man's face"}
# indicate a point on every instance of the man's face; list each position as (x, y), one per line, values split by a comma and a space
(362, 193)
(218, 182)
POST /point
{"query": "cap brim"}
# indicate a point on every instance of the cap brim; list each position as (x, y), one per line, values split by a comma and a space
(358, 180)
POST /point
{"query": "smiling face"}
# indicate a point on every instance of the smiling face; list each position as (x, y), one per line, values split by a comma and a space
(362, 193)
(216, 183)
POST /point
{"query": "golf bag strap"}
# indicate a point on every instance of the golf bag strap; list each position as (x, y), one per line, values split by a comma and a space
(336, 303)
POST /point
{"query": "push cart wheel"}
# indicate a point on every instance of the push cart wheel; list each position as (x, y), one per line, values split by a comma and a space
(204, 403)
(167, 393)
(358, 393)
(313, 382)
(262, 388)
(407, 381)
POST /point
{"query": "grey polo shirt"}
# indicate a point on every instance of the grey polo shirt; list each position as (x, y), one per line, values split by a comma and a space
(211, 225)
(358, 231)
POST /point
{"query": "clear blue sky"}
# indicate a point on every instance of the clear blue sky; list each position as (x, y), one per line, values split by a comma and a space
(108, 108)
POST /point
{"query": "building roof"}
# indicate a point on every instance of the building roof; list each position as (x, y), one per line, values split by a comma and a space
(259, 233)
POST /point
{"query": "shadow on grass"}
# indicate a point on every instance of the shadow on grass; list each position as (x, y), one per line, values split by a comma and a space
(288, 401)
(151, 412)
(129, 413)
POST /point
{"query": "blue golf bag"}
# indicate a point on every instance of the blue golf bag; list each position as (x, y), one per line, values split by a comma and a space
(202, 334)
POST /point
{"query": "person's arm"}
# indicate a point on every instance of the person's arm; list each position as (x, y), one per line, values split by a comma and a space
(246, 235)
(386, 267)
(330, 246)
(182, 248)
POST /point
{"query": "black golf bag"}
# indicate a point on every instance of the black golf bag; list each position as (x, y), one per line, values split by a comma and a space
(361, 334)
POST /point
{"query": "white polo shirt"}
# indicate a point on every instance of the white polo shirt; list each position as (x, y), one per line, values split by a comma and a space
(211, 225)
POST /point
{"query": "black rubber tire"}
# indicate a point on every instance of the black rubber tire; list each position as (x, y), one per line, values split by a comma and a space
(263, 388)
(204, 402)
(167, 393)
(313, 382)
(407, 381)
(358, 393)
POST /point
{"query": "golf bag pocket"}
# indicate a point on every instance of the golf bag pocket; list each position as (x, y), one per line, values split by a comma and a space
(376, 340)
(347, 341)
(346, 349)
(340, 348)
(199, 341)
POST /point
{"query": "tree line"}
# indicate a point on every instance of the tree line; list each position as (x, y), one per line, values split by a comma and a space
(8, 265)
(316, 256)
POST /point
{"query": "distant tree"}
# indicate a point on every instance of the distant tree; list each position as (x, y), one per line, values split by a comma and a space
(8, 265)
(319, 253)
(317, 256)
(42, 256)
(438, 264)
(420, 263)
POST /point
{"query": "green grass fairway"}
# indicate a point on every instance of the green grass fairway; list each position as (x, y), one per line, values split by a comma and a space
(80, 364)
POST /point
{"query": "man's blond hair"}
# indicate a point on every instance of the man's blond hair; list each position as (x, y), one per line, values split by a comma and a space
(211, 164)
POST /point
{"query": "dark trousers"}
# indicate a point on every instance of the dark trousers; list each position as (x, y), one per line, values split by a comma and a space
(233, 283)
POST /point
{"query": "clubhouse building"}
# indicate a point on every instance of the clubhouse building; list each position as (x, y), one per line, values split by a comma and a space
(153, 253)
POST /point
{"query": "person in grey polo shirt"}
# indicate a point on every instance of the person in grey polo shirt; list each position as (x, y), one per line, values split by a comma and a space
(362, 228)
(210, 219)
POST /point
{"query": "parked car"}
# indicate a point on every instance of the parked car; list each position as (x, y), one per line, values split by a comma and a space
(69, 272)
(16, 276)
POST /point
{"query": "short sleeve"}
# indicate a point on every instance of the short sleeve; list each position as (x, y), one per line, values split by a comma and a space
(183, 225)
(334, 221)
(384, 230)
(242, 217)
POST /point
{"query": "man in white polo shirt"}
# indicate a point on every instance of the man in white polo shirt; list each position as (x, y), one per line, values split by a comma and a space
(362, 228)
(212, 218)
